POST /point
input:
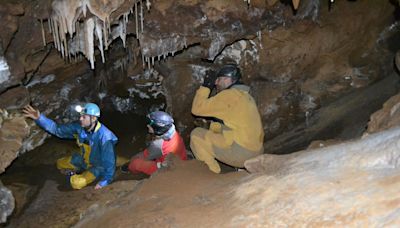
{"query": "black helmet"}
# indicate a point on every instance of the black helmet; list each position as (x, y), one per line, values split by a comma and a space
(230, 70)
(160, 121)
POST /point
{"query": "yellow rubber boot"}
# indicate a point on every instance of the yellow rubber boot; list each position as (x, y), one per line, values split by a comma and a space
(65, 163)
(79, 181)
(121, 161)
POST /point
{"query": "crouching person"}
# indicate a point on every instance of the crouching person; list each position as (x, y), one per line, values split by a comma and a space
(96, 158)
(166, 140)
(237, 134)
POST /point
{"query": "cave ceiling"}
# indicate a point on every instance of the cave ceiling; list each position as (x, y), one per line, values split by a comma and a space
(162, 27)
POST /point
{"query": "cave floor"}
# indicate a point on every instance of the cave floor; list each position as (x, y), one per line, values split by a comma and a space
(44, 199)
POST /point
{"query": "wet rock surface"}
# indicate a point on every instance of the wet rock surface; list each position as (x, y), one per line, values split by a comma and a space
(313, 79)
(63, 208)
(357, 178)
(333, 186)
(7, 203)
(385, 118)
(12, 134)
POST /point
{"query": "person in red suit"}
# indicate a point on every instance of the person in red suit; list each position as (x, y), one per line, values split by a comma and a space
(166, 140)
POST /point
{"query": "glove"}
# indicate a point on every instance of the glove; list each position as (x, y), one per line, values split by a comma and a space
(103, 183)
(209, 81)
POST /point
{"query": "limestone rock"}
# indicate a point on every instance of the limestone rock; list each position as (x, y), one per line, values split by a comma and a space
(12, 133)
(6, 203)
(387, 117)
(212, 24)
(9, 14)
(322, 143)
(347, 185)
(15, 98)
(380, 150)
(56, 205)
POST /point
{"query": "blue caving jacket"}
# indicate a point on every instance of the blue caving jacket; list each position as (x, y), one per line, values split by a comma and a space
(97, 148)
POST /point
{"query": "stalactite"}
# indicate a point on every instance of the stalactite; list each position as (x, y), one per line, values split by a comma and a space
(136, 19)
(49, 24)
(78, 34)
(143, 63)
(105, 35)
(43, 34)
(296, 4)
(141, 15)
(99, 34)
(65, 20)
(89, 44)
(148, 4)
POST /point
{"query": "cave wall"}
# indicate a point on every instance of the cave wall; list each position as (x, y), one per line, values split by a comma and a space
(303, 66)
(295, 62)
(297, 69)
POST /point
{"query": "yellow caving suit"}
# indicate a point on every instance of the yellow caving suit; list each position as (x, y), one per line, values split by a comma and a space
(241, 135)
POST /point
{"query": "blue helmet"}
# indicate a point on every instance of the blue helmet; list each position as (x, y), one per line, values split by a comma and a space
(89, 109)
(160, 121)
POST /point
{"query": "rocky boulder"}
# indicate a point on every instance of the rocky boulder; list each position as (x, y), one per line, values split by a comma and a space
(6, 203)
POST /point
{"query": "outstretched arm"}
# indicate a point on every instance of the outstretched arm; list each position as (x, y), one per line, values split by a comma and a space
(31, 112)
(62, 131)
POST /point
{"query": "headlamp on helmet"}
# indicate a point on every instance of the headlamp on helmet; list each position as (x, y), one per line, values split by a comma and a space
(90, 109)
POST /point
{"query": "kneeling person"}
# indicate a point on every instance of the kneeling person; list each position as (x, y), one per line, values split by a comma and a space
(166, 141)
(96, 158)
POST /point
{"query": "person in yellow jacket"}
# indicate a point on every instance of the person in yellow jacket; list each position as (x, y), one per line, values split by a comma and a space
(237, 133)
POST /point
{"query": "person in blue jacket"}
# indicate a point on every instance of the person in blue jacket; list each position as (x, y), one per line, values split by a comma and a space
(96, 158)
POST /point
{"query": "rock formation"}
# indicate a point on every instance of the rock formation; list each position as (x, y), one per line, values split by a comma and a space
(317, 70)
(6, 204)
